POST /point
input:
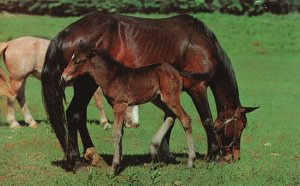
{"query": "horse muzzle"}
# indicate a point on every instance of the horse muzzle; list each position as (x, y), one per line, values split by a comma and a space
(65, 79)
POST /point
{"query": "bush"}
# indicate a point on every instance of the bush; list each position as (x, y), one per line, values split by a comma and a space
(79, 7)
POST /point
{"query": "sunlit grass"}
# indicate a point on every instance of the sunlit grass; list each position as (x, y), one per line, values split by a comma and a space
(265, 53)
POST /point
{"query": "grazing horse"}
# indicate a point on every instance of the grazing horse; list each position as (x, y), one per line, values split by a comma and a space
(182, 41)
(25, 56)
(161, 84)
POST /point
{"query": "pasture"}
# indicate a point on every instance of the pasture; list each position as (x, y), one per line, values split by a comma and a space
(265, 52)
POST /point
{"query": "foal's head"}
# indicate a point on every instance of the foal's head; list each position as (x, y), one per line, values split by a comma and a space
(228, 131)
(80, 62)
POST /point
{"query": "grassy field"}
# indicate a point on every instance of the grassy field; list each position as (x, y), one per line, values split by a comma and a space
(265, 52)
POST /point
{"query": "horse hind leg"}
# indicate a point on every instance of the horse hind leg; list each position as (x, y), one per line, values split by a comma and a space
(26, 113)
(11, 118)
(174, 104)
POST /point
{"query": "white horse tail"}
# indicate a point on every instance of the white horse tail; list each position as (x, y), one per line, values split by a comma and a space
(4, 83)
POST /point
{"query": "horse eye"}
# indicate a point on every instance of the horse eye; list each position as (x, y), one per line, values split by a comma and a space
(76, 62)
(234, 117)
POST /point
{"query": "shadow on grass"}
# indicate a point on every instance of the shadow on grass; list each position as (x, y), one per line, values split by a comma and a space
(23, 123)
(97, 122)
(129, 161)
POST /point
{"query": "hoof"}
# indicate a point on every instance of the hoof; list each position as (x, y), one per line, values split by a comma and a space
(79, 167)
(33, 126)
(91, 156)
(115, 168)
(132, 125)
(107, 126)
(213, 156)
(190, 164)
(14, 125)
(191, 160)
(226, 159)
(153, 151)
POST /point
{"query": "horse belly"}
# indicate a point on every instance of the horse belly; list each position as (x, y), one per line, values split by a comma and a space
(143, 89)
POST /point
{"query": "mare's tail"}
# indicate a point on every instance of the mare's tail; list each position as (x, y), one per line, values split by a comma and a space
(53, 93)
(4, 83)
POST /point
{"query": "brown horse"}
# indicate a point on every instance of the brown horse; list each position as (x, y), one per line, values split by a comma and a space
(182, 41)
(125, 87)
(25, 56)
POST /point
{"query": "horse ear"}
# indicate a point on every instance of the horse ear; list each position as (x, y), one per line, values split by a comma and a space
(249, 109)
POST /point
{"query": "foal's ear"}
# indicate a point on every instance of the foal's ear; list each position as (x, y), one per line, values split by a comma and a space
(248, 109)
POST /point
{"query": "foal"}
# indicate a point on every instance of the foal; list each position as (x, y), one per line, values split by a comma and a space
(25, 56)
(124, 87)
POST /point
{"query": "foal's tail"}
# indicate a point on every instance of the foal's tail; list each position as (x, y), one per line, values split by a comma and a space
(53, 93)
(4, 83)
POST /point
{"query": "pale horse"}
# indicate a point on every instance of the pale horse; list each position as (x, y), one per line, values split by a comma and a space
(25, 56)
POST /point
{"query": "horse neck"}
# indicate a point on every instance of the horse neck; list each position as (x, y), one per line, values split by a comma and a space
(225, 89)
(102, 71)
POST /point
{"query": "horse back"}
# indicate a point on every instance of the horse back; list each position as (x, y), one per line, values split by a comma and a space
(136, 42)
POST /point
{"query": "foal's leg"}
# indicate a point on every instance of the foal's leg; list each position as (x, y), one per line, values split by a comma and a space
(199, 96)
(117, 133)
(16, 84)
(99, 103)
(172, 101)
(26, 113)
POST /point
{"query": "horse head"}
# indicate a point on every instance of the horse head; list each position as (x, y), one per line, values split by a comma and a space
(228, 130)
(78, 64)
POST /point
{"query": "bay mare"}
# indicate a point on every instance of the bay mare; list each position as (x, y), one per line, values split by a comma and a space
(25, 56)
(182, 41)
(122, 86)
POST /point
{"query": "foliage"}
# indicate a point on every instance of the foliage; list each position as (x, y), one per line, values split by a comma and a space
(265, 53)
(79, 7)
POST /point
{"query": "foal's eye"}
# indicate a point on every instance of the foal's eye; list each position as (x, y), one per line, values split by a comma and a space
(78, 61)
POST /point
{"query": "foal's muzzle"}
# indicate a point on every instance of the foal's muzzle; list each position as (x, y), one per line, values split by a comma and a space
(65, 79)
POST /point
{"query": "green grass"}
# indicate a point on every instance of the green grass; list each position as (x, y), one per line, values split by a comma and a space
(265, 52)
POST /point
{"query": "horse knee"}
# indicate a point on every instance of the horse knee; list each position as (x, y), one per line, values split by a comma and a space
(187, 124)
(73, 116)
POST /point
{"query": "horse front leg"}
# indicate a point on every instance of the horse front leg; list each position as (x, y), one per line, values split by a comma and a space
(198, 94)
(84, 89)
(117, 133)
